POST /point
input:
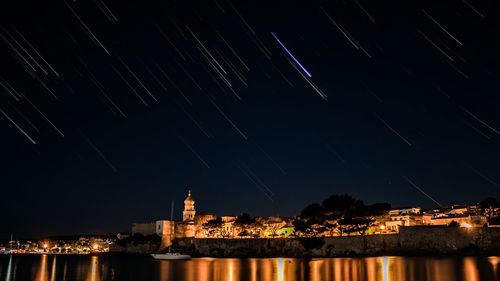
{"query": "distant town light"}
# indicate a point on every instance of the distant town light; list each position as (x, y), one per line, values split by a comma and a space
(466, 225)
(95, 246)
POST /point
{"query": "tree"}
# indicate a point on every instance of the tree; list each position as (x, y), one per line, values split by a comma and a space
(301, 227)
(332, 228)
(343, 225)
(340, 206)
(244, 220)
(311, 215)
(361, 224)
(217, 222)
(244, 233)
(312, 211)
(377, 209)
(366, 216)
(213, 227)
(273, 228)
(350, 214)
(454, 224)
(490, 207)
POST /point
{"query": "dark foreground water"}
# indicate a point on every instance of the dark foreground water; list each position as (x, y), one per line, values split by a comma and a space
(120, 267)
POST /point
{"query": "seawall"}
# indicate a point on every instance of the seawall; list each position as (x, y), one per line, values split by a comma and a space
(409, 241)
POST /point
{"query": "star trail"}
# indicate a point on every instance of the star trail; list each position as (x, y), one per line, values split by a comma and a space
(258, 107)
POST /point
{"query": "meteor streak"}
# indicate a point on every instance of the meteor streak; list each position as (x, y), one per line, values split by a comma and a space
(291, 55)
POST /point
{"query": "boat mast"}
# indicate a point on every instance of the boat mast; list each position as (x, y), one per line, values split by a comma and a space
(173, 225)
(172, 211)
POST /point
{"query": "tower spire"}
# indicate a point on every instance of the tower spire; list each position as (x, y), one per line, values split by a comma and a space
(189, 211)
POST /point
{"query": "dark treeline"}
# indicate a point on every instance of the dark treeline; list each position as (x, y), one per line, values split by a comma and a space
(341, 214)
(346, 215)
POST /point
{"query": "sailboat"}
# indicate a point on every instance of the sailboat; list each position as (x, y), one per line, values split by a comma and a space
(170, 255)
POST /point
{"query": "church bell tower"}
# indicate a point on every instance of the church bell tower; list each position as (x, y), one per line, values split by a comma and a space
(189, 212)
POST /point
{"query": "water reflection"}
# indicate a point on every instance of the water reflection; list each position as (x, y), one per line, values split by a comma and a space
(471, 272)
(93, 272)
(280, 269)
(53, 270)
(11, 271)
(42, 272)
(494, 261)
(338, 269)
(398, 268)
(104, 268)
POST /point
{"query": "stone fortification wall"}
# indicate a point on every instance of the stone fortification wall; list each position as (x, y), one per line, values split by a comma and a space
(410, 240)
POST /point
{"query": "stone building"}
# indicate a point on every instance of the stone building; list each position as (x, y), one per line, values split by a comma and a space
(146, 228)
(189, 211)
(405, 211)
(168, 230)
(186, 228)
(406, 216)
(194, 225)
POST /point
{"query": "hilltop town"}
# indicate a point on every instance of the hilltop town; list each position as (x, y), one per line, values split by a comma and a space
(336, 216)
(336, 223)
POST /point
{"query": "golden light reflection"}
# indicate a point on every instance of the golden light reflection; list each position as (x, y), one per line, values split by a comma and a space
(93, 272)
(65, 270)
(344, 265)
(267, 269)
(189, 269)
(42, 273)
(409, 269)
(315, 269)
(366, 269)
(371, 269)
(165, 271)
(253, 269)
(397, 269)
(336, 269)
(471, 273)
(204, 269)
(356, 269)
(53, 270)
(230, 270)
(440, 269)
(494, 263)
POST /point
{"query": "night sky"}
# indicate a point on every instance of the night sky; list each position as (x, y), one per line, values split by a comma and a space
(111, 109)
